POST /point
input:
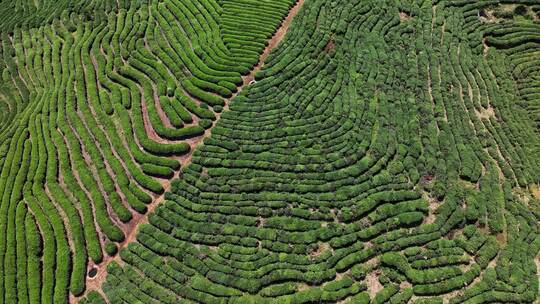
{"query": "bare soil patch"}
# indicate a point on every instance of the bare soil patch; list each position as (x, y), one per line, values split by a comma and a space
(485, 113)
(501, 238)
(426, 179)
(536, 191)
(330, 45)
(404, 16)
(373, 284)
(433, 204)
(302, 287)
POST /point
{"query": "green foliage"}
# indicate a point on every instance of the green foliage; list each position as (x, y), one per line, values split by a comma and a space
(381, 142)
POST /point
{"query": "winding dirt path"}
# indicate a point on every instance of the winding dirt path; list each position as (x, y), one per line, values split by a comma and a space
(138, 219)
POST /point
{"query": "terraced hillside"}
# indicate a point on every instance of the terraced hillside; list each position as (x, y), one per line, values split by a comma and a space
(387, 152)
(98, 115)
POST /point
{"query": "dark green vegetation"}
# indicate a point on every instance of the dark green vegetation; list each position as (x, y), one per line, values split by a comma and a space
(389, 151)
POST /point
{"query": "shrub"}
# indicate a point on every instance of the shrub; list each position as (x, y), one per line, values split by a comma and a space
(111, 249)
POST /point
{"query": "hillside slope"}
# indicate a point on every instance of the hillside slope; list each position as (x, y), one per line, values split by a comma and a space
(387, 153)
(384, 152)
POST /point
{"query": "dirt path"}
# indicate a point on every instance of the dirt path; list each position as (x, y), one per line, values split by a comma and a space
(96, 282)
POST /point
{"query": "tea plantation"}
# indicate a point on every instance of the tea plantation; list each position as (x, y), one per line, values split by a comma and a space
(257, 151)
